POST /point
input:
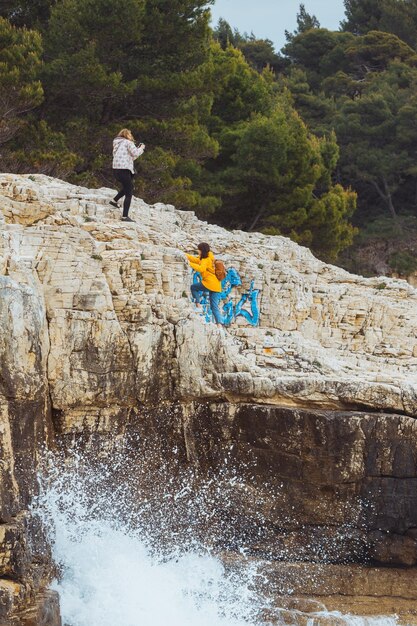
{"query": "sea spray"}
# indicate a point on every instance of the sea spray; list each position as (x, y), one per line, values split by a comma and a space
(136, 541)
(139, 561)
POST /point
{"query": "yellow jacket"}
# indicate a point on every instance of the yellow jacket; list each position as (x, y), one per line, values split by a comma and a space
(206, 268)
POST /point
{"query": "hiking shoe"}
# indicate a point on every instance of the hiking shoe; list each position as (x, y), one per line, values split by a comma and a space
(113, 203)
(127, 219)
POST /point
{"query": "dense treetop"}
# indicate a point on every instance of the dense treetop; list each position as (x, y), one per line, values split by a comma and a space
(313, 142)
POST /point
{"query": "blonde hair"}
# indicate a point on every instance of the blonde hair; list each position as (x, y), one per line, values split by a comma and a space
(125, 132)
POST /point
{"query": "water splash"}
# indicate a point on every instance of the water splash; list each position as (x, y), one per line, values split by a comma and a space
(111, 578)
(129, 562)
(136, 542)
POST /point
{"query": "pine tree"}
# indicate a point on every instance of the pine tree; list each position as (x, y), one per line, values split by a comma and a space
(305, 22)
(281, 184)
(362, 15)
(376, 133)
(398, 17)
(272, 175)
(259, 53)
(29, 13)
(226, 35)
(89, 48)
(21, 90)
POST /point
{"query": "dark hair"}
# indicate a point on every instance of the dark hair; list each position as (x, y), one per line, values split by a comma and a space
(204, 249)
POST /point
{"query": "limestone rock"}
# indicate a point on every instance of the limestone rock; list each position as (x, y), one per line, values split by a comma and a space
(45, 611)
(96, 326)
(117, 310)
(348, 589)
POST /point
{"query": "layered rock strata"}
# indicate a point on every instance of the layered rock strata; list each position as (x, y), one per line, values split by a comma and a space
(331, 486)
(305, 592)
(97, 331)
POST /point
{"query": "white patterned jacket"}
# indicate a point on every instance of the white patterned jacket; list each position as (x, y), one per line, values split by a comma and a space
(124, 154)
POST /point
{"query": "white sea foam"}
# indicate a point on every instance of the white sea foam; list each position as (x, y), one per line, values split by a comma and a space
(110, 578)
(113, 574)
(125, 565)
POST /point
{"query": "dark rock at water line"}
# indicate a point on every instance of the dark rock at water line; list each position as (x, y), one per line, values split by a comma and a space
(335, 486)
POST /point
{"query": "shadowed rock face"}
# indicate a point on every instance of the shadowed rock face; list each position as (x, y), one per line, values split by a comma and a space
(98, 338)
(25, 429)
(334, 486)
(23, 393)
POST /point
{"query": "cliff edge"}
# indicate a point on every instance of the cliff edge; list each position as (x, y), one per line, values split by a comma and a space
(97, 328)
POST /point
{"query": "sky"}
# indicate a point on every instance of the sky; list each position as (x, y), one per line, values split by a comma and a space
(268, 19)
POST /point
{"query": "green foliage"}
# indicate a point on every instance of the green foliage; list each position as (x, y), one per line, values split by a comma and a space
(239, 91)
(40, 149)
(163, 178)
(398, 17)
(316, 109)
(259, 53)
(226, 35)
(278, 179)
(378, 242)
(329, 222)
(222, 135)
(89, 44)
(21, 90)
(326, 55)
(376, 132)
(375, 51)
(362, 86)
(308, 49)
(403, 262)
(382, 229)
(362, 15)
(176, 35)
(29, 13)
(305, 22)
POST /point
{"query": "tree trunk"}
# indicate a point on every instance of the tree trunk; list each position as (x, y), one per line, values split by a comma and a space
(386, 197)
(389, 200)
(256, 220)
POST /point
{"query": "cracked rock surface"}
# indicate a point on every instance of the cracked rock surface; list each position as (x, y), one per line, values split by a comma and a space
(96, 322)
(117, 310)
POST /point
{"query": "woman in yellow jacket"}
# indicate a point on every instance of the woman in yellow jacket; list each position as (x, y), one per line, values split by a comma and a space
(204, 264)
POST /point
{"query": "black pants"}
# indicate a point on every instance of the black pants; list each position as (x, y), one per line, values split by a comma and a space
(125, 177)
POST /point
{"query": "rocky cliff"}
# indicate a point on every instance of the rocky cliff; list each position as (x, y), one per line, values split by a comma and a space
(98, 337)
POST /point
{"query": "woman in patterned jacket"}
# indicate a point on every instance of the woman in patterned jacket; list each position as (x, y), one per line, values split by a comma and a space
(124, 153)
